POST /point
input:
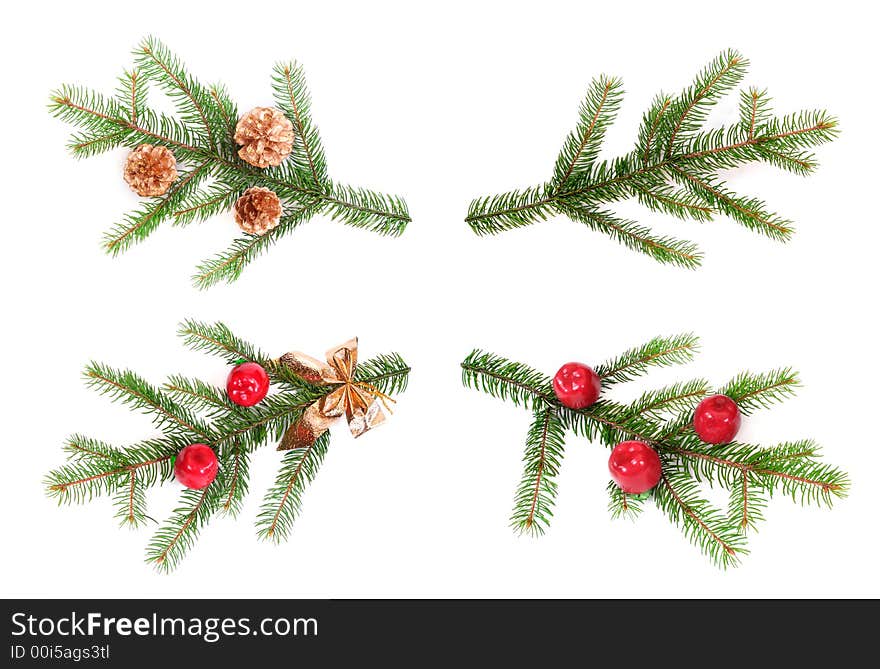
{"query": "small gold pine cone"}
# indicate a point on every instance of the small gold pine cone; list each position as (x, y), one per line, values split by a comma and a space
(266, 136)
(257, 211)
(150, 170)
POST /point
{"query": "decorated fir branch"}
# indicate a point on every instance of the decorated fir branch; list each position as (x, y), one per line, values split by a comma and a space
(207, 435)
(673, 168)
(266, 165)
(669, 445)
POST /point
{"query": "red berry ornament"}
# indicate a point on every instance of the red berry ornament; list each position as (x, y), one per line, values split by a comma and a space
(196, 466)
(247, 384)
(576, 385)
(717, 419)
(634, 466)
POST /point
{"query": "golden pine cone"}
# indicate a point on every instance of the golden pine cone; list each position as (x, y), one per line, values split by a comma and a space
(150, 170)
(266, 136)
(257, 211)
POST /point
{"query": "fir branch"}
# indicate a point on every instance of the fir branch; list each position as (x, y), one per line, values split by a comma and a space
(582, 146)
(689, 110)
(129, 388)
(87, 144)
(293, 98)
(504, 379)
(80, 447)
(131, 502)
(704, 526)
(194, 103)
(647, 148)
(79, 482)
(218, 340)
(792, 160)
(751, 212)
(672, 148)
(236, 483)
(663, 419)
(675, 399)
(623, 505)
(88, 109)
(790, 467)
(747, 502)
(228, 112)
(659, 352)
(754, 110)
(199, 396)
(663, 198)
(138, 225)
(755, 391)
(83, 479)
(228, 265)
(388, 373)
(283, 501)
(636, 237)
(201, 137)
(206, 203)
(496, 213)
(178, 534)
(190, 410)
(536, 494)
(361, 208)
(132, 93)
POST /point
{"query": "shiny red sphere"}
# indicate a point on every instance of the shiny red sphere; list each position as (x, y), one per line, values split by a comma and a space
(576, 385)
(717, 419)
(247, 384)
(196, 466)
(634, 466)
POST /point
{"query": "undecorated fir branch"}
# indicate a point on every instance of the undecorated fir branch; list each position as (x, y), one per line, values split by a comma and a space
(662, 418)
(187, 411)
(673, 168)
(211, 175)
(536, 494)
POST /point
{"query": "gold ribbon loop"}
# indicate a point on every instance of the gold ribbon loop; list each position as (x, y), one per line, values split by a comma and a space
(360, 403)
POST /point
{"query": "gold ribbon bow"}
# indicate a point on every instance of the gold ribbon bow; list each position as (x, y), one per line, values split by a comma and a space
(360, 402)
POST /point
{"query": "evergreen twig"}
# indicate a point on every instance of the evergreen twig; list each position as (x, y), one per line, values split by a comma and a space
(673, 168)
(213, 176)
(189, 410)
(662, 418)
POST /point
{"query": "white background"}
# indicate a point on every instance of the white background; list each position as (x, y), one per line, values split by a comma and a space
(441, 104)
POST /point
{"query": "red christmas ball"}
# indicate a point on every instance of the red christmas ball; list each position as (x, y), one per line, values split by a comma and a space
(576, 385)
(634, 466)
(196, 466)
(247, 384)
(717, 419)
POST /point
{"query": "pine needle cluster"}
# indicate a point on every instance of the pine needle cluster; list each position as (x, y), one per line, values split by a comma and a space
(662, 418)
(185, 411)
(673, 169)
(213, 176)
